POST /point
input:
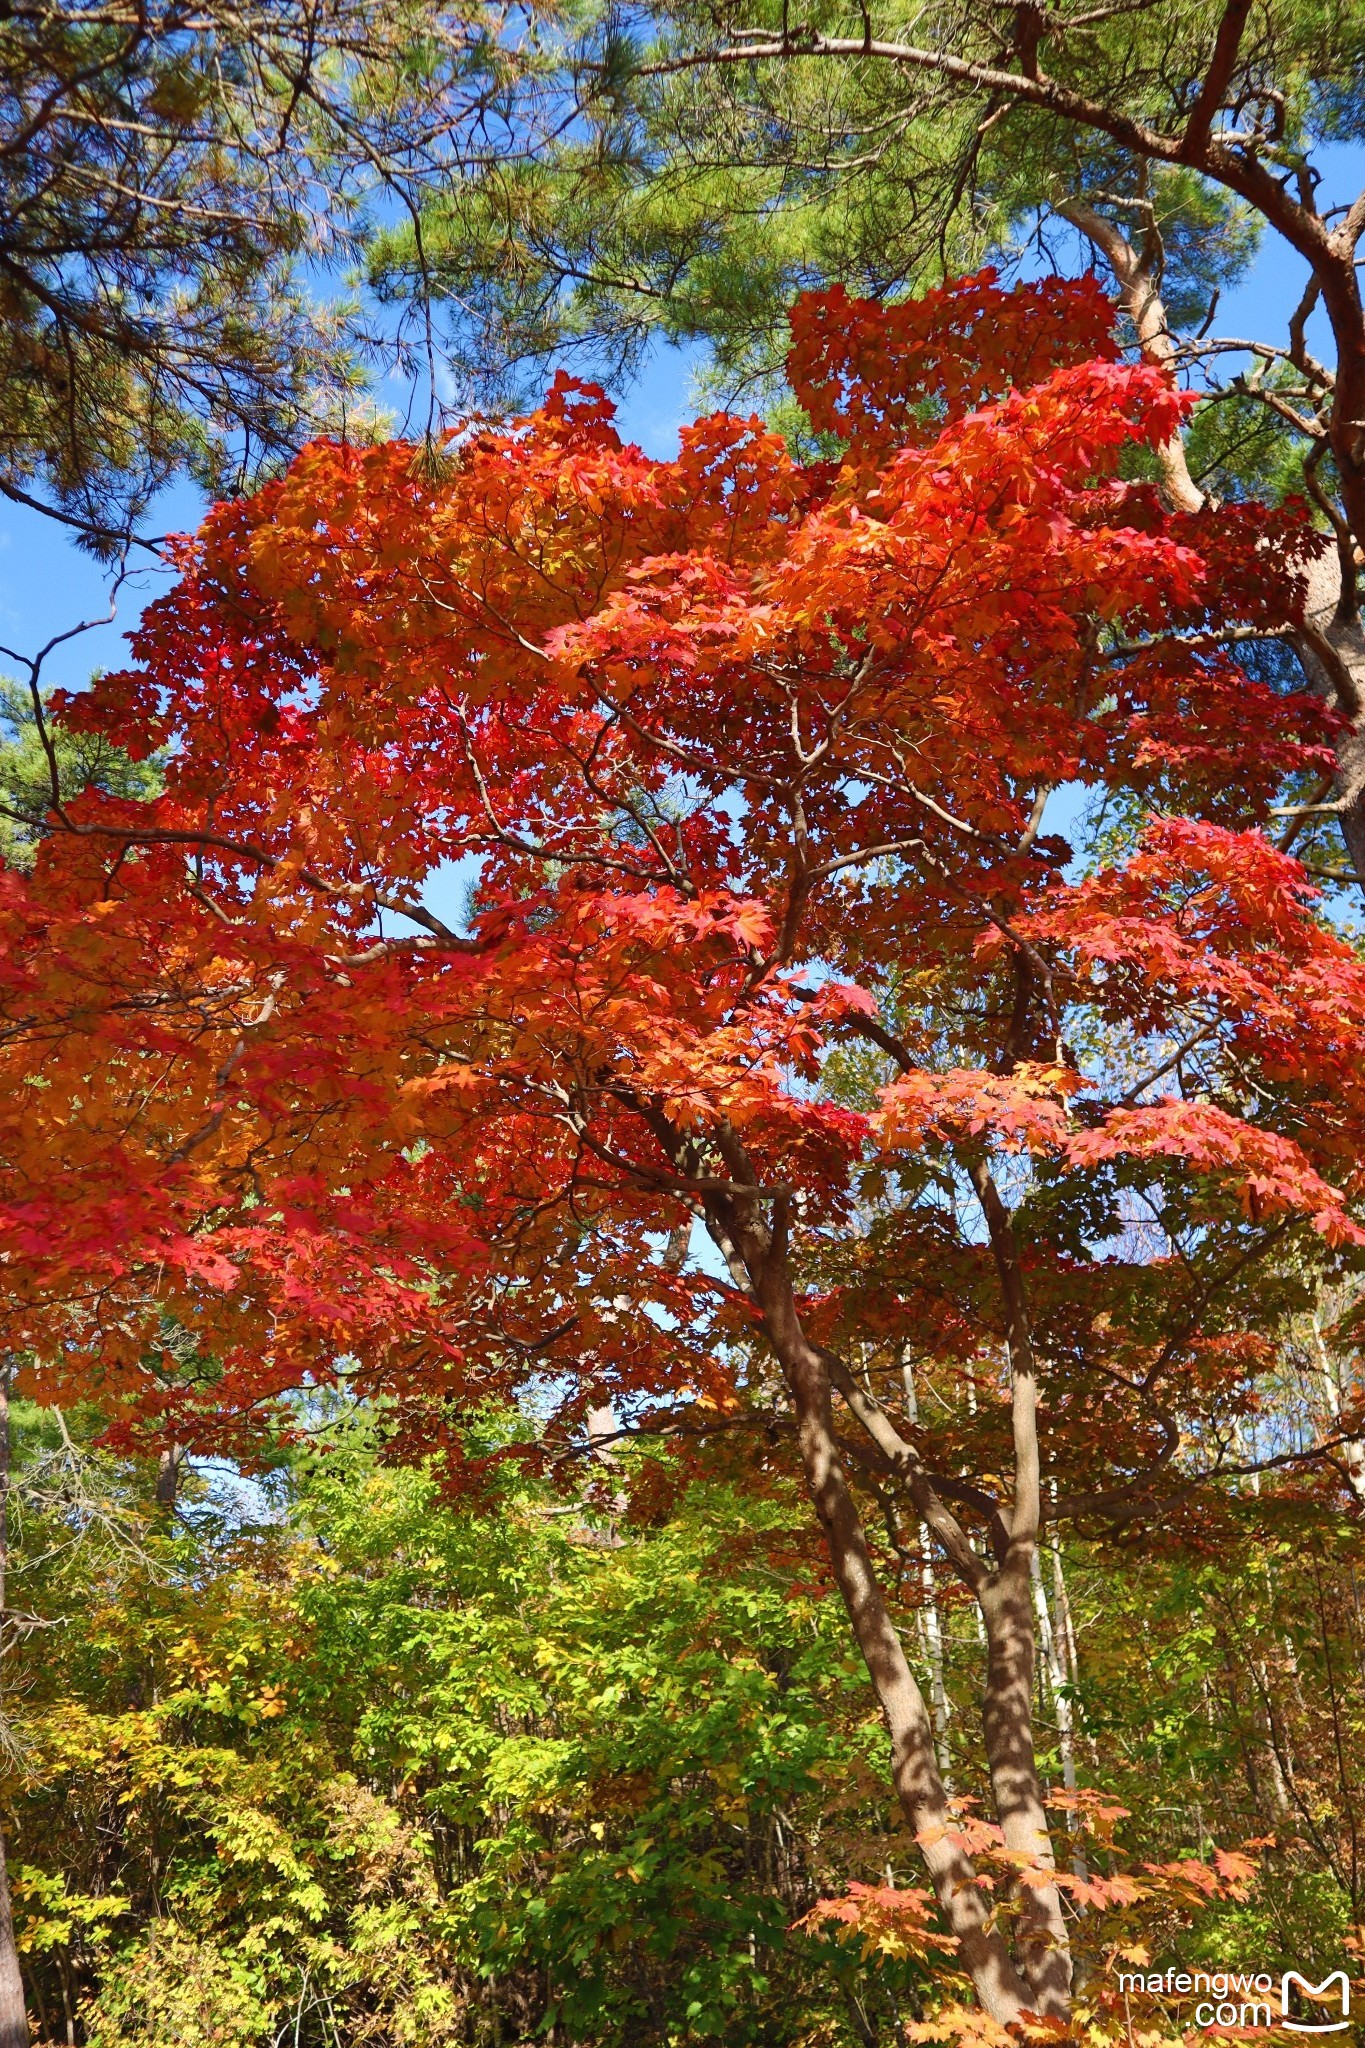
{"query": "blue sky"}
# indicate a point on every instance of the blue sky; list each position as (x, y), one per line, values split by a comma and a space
(47, 585)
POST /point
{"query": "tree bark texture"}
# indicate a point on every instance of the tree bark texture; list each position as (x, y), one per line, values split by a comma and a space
(1004, 1992)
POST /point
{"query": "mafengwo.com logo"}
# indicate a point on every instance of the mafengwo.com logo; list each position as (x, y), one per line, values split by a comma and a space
(1238, 1998)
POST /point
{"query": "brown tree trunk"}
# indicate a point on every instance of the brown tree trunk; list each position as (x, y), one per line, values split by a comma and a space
(756, 1253)
(1005, 1597)
(13, 2016)
(1007, 1722)
(168, 1476)
(914, 1767)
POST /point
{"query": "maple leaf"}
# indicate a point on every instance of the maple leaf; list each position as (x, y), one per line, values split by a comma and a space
(1022, 1110)
(883, 1920)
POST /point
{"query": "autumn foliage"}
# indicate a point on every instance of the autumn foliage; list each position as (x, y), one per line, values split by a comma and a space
(781, 1035)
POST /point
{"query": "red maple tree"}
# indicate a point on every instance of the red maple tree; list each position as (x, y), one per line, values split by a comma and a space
(780, 1056)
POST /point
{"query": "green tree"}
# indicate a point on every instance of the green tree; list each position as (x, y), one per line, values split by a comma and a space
(182, 190)
(355, 1762)
(77, 761)
(320, 1753)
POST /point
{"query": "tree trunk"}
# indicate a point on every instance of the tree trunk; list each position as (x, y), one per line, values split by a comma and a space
(1007, 1720)
(1005, 1599)
(1331, 648)
(13, 2017)
(914, 1767)
(168, 1476)
(1059, 1681)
